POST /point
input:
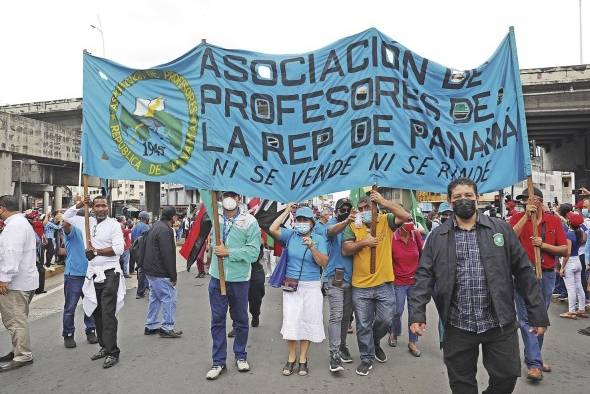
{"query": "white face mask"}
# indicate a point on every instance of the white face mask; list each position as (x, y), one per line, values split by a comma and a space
(229, 204)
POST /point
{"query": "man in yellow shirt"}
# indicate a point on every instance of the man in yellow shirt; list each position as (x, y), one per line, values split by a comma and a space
(372, 293)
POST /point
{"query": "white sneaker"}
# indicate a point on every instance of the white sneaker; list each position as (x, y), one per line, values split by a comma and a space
(243, 365)
(215, 371)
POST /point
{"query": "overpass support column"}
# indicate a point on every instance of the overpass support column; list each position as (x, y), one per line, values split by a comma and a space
(5, 173)
(152, 198)
(46, 206)
(57, 197)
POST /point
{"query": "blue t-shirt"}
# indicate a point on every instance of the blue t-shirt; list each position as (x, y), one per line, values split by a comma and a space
(571, 235)
(138, 230)
(298, 253)
(76, 262)
(336, 259)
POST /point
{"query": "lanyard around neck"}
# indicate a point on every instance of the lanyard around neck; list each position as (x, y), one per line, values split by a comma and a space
(227, 225)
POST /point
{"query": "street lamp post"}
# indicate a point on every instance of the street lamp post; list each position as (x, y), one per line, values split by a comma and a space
(99, 28)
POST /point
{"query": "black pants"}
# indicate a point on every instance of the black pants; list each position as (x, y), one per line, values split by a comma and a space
(500, 359)
(104, 314)
(256, 292)
(41, 270)
(49, 252)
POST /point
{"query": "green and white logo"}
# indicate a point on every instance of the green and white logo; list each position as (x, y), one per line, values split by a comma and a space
(499, 239)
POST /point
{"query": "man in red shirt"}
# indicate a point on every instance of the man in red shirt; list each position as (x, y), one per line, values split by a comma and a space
(552, 241)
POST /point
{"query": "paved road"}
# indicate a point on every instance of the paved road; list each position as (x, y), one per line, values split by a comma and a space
(156, 365)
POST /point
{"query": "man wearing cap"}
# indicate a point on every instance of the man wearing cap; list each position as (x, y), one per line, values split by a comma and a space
(140, 228)
(373, 295)
(18, 280)
(551, 240)
(74, 274)
(159, 264)
(337, 279)
(240, 236)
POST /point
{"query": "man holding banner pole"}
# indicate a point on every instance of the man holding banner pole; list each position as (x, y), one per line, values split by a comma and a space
(373, 296)
(239, 248)
(551, 240)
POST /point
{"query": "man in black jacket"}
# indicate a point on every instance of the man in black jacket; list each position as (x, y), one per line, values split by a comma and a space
(159, 264)
(474, 263)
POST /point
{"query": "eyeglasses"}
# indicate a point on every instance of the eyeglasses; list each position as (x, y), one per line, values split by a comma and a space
(344, 210)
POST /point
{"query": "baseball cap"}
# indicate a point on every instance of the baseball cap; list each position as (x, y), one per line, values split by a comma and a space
(144, 215)
(444, 207)
(305, 212)
(525, 193)
(575, 219)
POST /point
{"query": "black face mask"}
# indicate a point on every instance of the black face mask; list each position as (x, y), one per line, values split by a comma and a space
(342, 217)
(464, 208)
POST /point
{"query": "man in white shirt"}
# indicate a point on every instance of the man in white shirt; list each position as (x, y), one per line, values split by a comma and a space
(18, 280)
(102, 298)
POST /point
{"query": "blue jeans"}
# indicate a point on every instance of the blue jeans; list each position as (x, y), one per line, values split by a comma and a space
(401, 293)
(72, 294)
(534, 344)
(142, 282)
(124, 261)
(237, 299)
(162, 297)
(374, 307)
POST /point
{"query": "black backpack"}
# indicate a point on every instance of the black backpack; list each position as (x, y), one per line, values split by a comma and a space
(138, 250)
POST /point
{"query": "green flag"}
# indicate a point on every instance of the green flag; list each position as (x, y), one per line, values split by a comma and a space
(356, 194)
(417, 212)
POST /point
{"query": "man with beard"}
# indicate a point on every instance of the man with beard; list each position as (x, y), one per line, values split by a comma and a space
(104, 288)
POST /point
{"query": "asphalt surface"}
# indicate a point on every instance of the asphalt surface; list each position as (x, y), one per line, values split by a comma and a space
(149, 364)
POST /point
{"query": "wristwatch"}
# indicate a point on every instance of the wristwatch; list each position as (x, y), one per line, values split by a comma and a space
(95, 252)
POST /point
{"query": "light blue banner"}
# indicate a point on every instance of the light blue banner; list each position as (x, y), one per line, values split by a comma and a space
(364, 110)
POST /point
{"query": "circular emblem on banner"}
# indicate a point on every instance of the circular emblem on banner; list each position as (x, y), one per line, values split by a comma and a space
(154, 140)
(499, 239)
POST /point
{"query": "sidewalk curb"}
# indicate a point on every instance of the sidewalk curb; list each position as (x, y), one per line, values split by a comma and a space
(57, 270)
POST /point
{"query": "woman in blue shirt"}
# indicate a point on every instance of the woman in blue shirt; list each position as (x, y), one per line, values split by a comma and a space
(571, 269)
(302, 295)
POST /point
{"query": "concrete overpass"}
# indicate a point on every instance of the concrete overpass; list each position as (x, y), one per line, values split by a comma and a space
(40, 142)
(40, 150)
(557, 102)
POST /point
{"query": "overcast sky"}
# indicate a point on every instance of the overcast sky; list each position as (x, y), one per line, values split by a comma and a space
(42, 41)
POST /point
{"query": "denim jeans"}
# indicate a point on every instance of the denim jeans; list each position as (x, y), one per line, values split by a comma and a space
(72, 294)
(124, 261)
(237, 299)
(401, 293)
(142, 282)
(573, 282)
(340, 303)
(534, 344)
(374, 307)
(162, 297)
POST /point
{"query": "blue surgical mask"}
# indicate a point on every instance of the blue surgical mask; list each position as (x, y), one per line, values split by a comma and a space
(585, 213)
(366, 216)
(302, 228)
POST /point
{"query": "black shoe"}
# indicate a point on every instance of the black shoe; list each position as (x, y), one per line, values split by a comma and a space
(255, 321)
(38, 291)
(231, 334)
(380, 354)
(126, 276)
(69, 342)
(170, 333)
(151, 331)
(345, 355)
(200, 275)
(9, 366)
(335, 362)
(7, 358)
(91, 337)
(110, 361)
(584, 331)
(102, 353)
(138, 296)
(364, 368)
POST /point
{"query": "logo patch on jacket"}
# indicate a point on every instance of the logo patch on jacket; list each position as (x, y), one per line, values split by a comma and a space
(499, 239)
